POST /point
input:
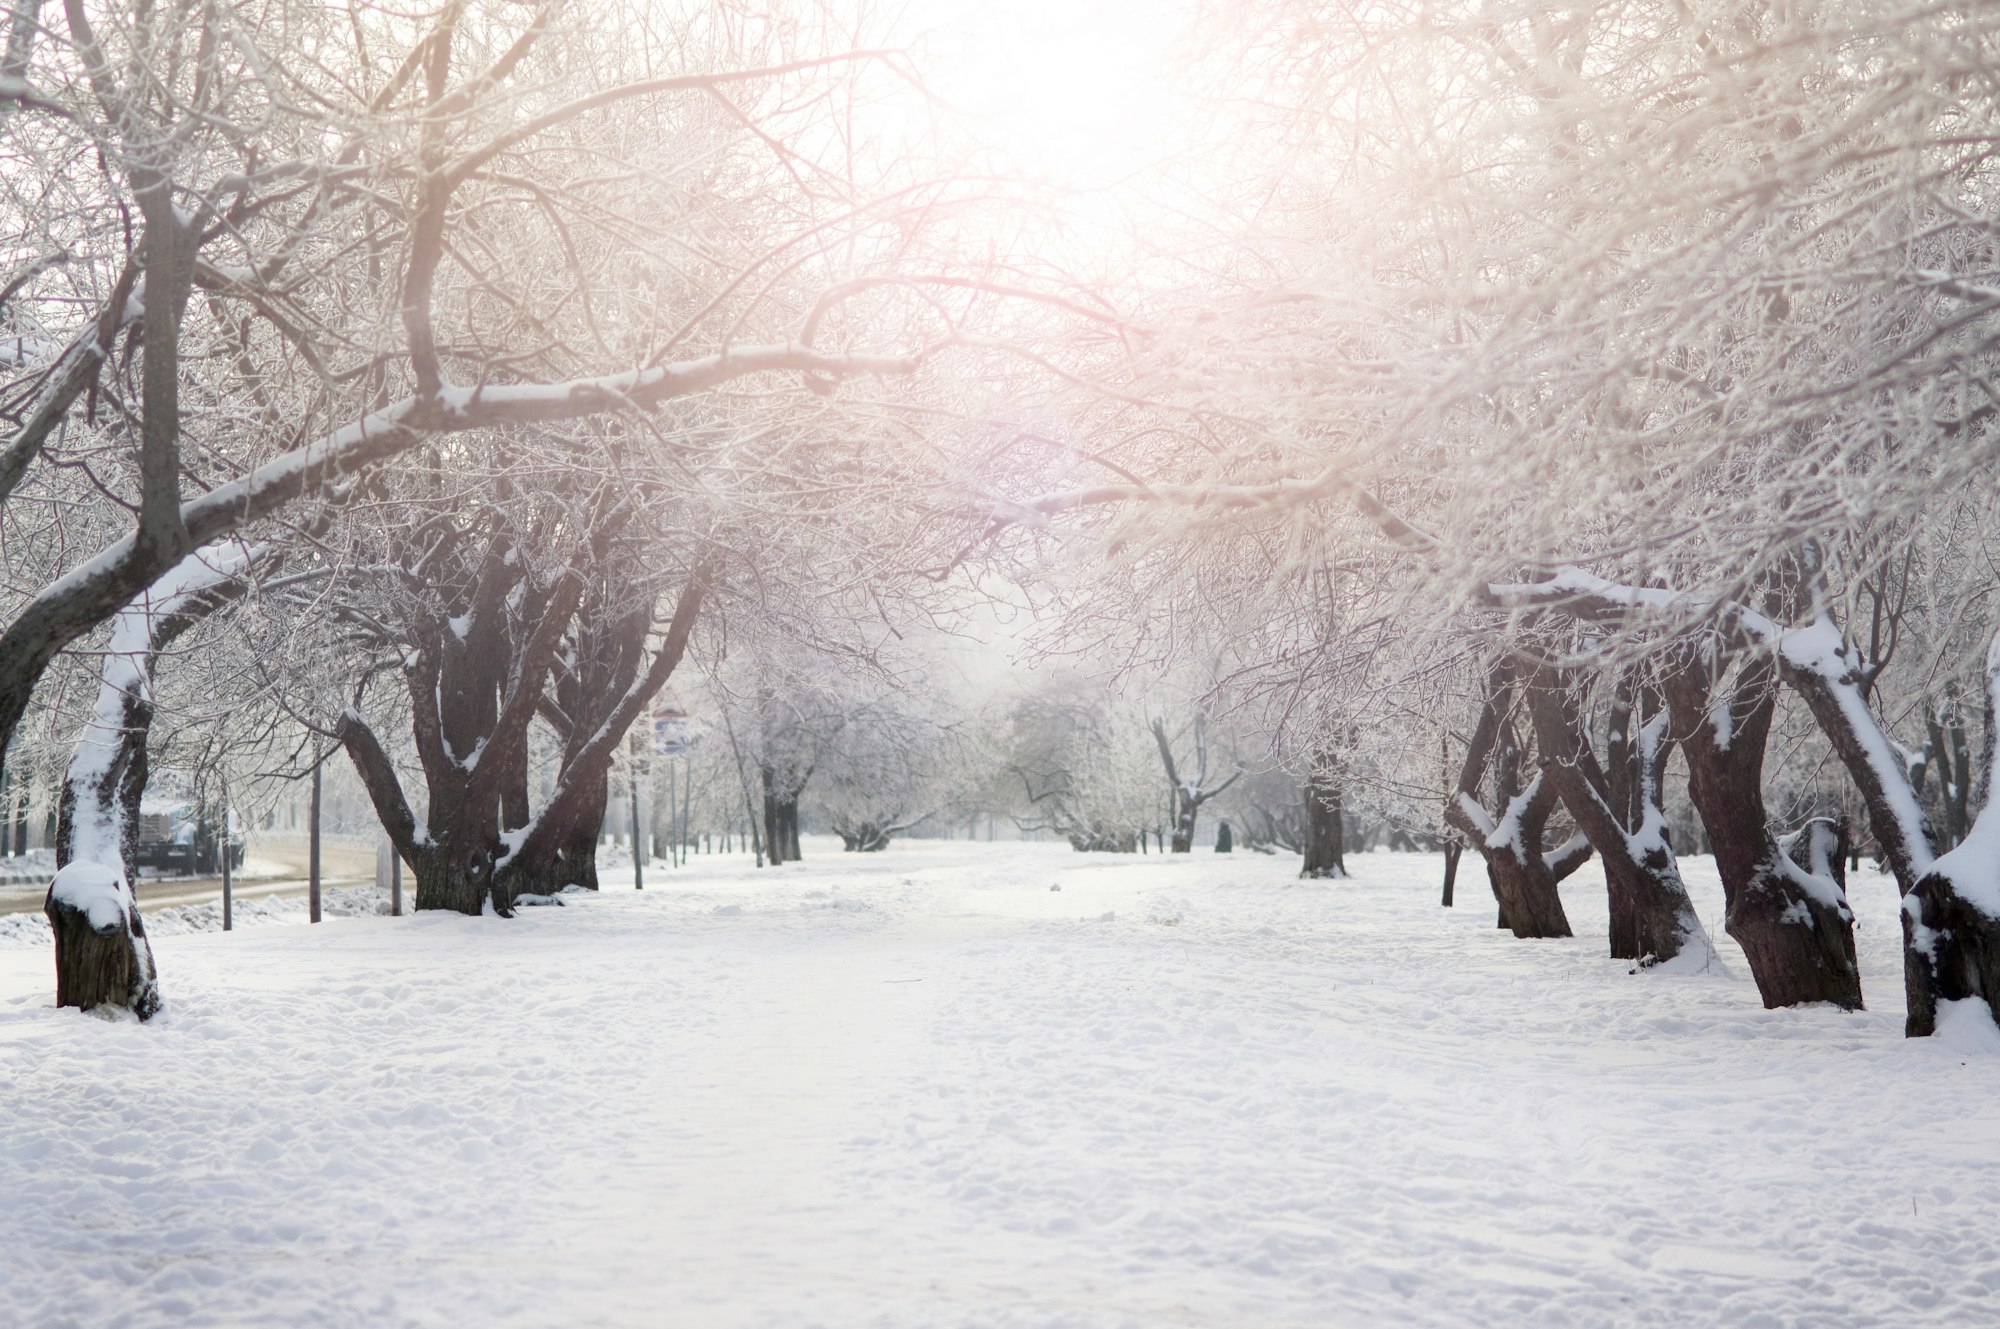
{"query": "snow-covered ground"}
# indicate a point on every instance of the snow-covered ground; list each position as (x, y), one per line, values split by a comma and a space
(923, 1089)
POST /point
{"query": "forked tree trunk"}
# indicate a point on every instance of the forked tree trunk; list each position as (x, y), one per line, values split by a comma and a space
(1523, 877)
(571, 858)
(1653, 920)
(475, 680)
(1794, 925)
(865, 838)
(565, 831)
(1325, 855)
(1188, 794)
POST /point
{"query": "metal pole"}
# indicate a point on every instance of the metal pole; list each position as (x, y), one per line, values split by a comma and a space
(632, 788)
(312, 850)
(395, 882)
(228, 895)
(673, 807)
(687, 802)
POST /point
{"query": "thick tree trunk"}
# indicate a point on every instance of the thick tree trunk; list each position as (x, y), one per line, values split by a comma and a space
(1951, 917)
(1185, 811)
(452, 862)
(460, 881)
(103, 959)
(1652, 918)
(1523, 878)
(1794, 925)
(865, 838)
(1951, 931)
(1325, 855)
(576, 850)
(781, 823)
(571, 856)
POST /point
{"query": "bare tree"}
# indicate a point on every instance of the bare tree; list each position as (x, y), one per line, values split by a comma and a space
(1192, 790)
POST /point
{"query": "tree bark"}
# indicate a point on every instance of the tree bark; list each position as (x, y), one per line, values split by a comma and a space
(109, 966)
(571, 859)
(1188, 795)
(1653, 921)
(97, 812)
(1523, 878)
(781, 820)
(1951, 916)
(1794, 925)
(1186, 809)
(1325, 855)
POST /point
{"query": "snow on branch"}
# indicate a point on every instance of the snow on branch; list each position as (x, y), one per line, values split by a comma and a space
(403, 424)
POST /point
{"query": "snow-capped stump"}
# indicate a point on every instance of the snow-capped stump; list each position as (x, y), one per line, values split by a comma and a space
(102, 955)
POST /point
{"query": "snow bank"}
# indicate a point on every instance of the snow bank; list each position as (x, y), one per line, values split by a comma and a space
(31, 931)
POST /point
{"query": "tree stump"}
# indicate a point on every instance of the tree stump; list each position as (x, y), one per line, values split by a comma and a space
(102, 956)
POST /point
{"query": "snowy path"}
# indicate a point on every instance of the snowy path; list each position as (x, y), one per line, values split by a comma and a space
(922, 1089)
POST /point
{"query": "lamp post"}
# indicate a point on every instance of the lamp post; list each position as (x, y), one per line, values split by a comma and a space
(228, 894)
(312, 847)
(632, 789)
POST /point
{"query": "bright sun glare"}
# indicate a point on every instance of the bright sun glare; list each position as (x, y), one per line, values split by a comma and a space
(1076, 93)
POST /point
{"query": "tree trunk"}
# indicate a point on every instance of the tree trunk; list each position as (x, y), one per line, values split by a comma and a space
(1452, 850)
(1652, 919)
(571, 859)
(103, 958)
(455, 881)
(867, 837)
(1325, 855)
(1188, 795)
(781, 823)
(1951, 917)
(1523, 878)
(1185, 811)
(1794, 925)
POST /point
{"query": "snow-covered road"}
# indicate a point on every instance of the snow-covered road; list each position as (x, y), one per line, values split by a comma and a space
(923, 1089)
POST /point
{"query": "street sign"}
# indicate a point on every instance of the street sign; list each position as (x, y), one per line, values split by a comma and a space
(671, 736)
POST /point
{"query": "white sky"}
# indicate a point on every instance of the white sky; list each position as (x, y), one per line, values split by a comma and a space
(1074, 93)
